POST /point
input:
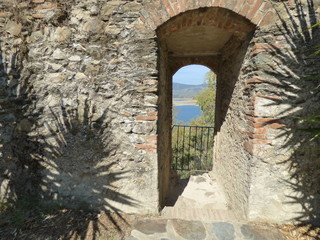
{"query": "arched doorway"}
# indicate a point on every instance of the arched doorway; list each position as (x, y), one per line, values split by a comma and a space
(217, 38)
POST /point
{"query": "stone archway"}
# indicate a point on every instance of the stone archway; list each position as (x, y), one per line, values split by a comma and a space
(214, 37)
(243, 131)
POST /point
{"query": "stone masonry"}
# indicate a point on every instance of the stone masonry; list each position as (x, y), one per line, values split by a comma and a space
(85, 100)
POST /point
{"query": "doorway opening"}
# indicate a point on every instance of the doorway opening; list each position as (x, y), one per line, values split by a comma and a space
(218, 39)
(193, 103)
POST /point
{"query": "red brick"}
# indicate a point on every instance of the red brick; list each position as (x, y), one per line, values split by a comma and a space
(152, 137)
(223, 3)
(46, 6)
(155, 15)
(256, 125)
(216, 3)
(151, 24)
(202, 3)
(145, 146)
(152, 113)
(266, 7)
(167, 5)
(151, 150)
(127, 114)
(245, 10)
(276, 125)
(4, 14)
(265, 120)
(269, 97)
(259, 136)
(146, 118)
(175, 6)
(254, 80)
(255, 8)
(260, 130)
(261, 141)
(239, 6)
(37, 15)
(182, 4)
(257, 18)
(250, 1)
(268, 19)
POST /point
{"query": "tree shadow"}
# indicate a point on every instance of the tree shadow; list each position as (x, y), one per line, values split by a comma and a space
(288, 71)
(59, 173)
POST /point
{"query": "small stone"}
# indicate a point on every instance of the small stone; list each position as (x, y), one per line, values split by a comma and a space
(253, 232)
(112, 30)
(149, 227)
(58, 54)
(56, 77)
(80, 76)
(62, 34)
(24, 125)
(189, 230)
(93, 26)
(55, 66)
(223, 230)
(13, 28)
(143, 128)
(75, 58)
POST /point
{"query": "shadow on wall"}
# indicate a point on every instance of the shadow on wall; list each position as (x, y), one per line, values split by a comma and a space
(56, 170)
(287, 71)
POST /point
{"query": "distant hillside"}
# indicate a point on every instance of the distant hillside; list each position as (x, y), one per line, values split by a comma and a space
(186, 91)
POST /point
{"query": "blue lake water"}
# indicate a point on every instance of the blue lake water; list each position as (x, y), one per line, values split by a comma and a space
(186, 113)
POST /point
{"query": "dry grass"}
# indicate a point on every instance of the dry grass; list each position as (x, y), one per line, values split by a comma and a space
(69, 224)
(293, 232)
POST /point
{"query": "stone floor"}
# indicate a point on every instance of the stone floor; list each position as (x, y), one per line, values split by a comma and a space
(177, 229)
(201, 213)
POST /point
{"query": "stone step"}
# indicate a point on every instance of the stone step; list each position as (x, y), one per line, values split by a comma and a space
(200, 214)
(176, 229)
(184, 202)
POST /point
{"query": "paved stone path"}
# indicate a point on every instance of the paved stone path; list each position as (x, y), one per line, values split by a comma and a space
(176, 229)
(201, 213)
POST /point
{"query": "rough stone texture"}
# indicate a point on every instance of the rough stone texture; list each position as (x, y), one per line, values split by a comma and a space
(73, 90)
(196, 230)
(85, 107)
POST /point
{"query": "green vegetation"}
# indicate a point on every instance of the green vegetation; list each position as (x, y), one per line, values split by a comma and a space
(186, 91)
(192, 146)
(206, 101)
(314, 119)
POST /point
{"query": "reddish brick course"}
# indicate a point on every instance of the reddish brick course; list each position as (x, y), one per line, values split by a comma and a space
(254, 10)
(37, 15)
(4, 14)
(146, 146)
(146, 118)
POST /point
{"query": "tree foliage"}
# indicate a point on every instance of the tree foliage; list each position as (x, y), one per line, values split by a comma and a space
(206, 101)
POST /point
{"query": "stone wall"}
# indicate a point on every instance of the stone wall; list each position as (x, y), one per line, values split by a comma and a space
(85, 100)
(80, 104)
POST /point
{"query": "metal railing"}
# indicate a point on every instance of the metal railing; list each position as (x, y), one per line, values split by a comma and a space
(192, 148)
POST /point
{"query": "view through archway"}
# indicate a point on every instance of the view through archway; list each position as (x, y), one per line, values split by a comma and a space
(195, 37)
(194, 88)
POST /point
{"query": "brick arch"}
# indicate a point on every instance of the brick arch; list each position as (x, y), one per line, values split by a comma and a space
(157, 12)
(207, 61)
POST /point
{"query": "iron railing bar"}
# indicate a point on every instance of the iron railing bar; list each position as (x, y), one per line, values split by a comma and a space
(208, 137)
(193, 126)
(195, 148)
(189, 148)
(201, 146)
(177, 155)
(182, 151)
